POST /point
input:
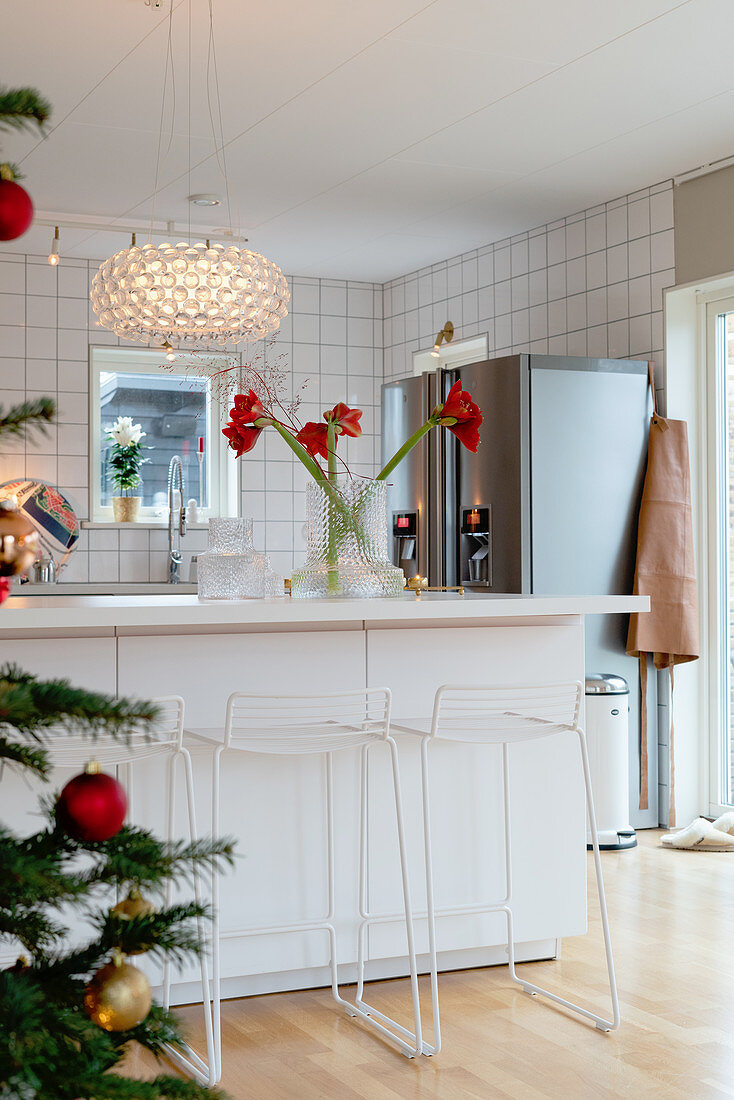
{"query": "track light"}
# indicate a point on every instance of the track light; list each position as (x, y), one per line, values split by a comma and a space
(447, 334)
(53, 256)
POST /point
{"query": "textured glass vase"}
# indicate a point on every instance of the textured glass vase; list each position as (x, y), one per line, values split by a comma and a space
(224, 570)
(347, 543)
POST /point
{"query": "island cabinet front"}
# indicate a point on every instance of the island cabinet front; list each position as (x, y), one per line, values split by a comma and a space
(275, 806)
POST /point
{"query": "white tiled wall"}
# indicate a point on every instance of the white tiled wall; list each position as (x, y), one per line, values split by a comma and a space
(331, 344)
(589, 284)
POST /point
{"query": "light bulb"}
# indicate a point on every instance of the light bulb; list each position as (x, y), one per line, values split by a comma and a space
(53, 256)
(170, 354)
(436, 353)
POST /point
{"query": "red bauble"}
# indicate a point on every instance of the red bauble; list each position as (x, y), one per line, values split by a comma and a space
(16, 210)
(92, 806)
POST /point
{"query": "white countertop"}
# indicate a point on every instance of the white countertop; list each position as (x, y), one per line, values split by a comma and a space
(39, 613)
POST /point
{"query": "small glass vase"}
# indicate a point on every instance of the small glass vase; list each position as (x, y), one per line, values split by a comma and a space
(224, 570)
(347, 543)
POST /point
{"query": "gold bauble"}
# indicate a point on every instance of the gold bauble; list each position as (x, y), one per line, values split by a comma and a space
(18, 541)
(118, 996)
(133, 906)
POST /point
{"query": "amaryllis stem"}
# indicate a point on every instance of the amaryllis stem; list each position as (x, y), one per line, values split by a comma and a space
(408, 446)
(332, 554)
(300, 452)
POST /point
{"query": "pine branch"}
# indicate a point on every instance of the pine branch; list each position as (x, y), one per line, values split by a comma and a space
(136, 858)
(35, 760)
(114, 1087)
(35, 876)
(30, 414)
(166, 933)
(31, 706)
(23, 108)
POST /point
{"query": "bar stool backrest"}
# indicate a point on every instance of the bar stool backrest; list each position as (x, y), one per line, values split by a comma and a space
(307, 723)
(71, 749)
(487, 715)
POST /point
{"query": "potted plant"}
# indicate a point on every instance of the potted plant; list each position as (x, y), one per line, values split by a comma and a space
(124, 461)
(347, 553)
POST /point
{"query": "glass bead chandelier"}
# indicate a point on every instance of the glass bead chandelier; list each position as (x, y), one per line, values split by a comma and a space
(193, 294)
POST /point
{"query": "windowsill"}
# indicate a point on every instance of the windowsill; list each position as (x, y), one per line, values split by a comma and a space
(153, 524)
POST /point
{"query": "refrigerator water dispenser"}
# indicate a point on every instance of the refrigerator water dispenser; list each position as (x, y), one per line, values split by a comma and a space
(405, 541)
(476, 549)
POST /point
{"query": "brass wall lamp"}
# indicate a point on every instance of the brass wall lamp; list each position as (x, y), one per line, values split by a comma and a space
(447, 334)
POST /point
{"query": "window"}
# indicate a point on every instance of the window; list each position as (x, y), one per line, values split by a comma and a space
(176, 408)
(720, 436)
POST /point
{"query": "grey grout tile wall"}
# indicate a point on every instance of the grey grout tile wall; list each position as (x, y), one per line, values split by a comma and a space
(588, 284)
(331, 347)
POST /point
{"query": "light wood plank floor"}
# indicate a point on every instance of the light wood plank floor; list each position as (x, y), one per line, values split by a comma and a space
(673, 928)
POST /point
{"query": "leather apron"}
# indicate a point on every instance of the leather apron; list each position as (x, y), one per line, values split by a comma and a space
(664, 571)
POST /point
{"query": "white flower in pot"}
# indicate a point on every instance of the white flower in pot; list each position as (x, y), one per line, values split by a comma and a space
(125, 459)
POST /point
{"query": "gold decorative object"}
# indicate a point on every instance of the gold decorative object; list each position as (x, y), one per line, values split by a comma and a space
(126, 509)
(19, 541)
(134, 905)
(119, 996)
(420, 584)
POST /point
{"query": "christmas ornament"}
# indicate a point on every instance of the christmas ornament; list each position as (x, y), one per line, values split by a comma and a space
(18, 541)
(134, 905)
(119, 996)
(92, 805)
(16, 210)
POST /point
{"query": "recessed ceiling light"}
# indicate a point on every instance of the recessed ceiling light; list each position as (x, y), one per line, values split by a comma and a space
(205, 200)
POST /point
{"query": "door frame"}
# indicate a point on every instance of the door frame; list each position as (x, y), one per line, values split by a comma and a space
(716, 747)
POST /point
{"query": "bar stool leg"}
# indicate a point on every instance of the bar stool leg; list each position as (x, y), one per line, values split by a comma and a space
(601, 1023)
(331, 877)
(363, 869)
(205, 1072)
(364, 1010)
(170, 812)
(216, 973)
(428, 1048)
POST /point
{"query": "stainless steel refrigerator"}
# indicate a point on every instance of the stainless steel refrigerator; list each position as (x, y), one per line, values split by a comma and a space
(549, 503)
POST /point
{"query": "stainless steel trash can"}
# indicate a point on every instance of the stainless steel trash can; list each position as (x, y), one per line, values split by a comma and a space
(607, 736)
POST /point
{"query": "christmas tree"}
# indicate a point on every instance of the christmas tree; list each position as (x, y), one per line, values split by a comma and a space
(58, 1039)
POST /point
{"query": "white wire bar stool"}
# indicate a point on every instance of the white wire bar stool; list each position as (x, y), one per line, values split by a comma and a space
(74, 750)
(505, 716)
(318, 724)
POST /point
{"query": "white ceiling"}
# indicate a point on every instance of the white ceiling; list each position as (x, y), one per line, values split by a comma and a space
(365, 140)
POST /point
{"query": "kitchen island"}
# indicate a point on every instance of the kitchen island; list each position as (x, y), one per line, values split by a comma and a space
(149, 646)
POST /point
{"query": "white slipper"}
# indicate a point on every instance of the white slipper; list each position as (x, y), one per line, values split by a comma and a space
(701, 835)
(725, 823)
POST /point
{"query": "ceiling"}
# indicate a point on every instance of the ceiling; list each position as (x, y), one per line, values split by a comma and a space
(364, 140)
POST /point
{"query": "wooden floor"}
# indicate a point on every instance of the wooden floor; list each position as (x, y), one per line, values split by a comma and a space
(672, 917)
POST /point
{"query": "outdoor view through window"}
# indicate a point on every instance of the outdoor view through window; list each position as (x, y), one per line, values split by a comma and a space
(172, 411)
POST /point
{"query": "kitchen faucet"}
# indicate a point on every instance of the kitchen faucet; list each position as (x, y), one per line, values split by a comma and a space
(174, 537)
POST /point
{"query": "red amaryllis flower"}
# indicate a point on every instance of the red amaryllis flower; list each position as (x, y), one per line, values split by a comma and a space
(461, 416)
(247, 408)
(243, 430)
(346, 419)
(314, 438)
(241, 438)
